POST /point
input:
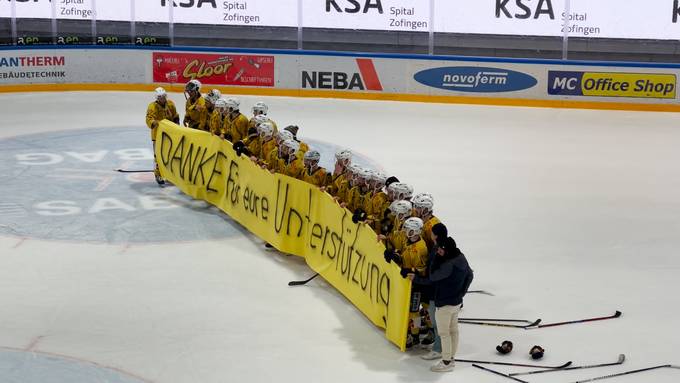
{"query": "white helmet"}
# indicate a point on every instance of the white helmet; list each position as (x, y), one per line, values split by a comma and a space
(233, 103)
(400, 190)
(354, 168)
(213, 96)
(379, 178)
(423, 203)
(160, 93)
(291, 146)
(401, 209)
(365, 174)
(260, 107)
(221, 103)
(312, 155)
(266, 131)
(260, 119)
(283, 135)
(343, 155)
(193, 85)
(423, 195)
(413, 226)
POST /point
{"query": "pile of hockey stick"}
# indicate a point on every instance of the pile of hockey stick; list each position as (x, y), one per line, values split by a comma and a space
(528, 324)
(565, 367)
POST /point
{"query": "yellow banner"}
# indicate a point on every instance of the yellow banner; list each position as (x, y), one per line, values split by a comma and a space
(644, 85)
(292, 215)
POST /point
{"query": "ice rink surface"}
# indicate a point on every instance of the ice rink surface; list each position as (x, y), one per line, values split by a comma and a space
(563, 214)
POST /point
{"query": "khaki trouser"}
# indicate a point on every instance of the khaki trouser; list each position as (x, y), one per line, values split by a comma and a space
(447, 327)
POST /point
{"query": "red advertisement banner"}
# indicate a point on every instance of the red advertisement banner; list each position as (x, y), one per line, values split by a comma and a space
(213, 69)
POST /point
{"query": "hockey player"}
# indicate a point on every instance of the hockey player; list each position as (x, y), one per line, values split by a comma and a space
(216, 122)
(378, 202)
(260, 109)
(267, 141)
(160, 109)
(395, 191)
(294, 166)
(360, 191)
(313, 173)
(294, 130)
(210, 100)
(271, 158)
(252, 144)
(236, 124)
(422, 205)
(343, 158)
(395, 239)
(196, 112)
(413, 259)
(343, 192)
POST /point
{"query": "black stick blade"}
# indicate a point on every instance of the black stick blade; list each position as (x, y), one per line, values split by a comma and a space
(300, 283)
(133, 171)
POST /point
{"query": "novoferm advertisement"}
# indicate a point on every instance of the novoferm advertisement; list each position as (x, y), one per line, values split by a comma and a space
(612, 84)
(475, 79)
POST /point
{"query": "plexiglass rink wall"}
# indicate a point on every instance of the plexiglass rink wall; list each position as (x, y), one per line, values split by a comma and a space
(621, 30)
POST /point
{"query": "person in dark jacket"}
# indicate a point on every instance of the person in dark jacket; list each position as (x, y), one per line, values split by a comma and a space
(439, 233)
(450, 275)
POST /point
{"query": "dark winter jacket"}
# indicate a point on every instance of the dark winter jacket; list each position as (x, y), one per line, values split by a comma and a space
(450, 278)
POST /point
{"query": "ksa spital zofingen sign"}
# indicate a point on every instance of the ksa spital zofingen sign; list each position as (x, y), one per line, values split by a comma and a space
(475, 79)
(657, 19)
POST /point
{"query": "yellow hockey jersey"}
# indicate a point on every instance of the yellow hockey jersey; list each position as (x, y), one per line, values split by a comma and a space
(397, 238)
(237, 126)
(414, 256)
(254, 145)
(216, 122)
(196, 116)
(156, 112)
(267, 147)
(334, 185)
(427, 231)
(317, 178)
(272, 159)
(379, 203)
(295, 168)
(356, 199)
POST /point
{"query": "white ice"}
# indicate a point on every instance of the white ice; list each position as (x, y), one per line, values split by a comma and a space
(563, 214)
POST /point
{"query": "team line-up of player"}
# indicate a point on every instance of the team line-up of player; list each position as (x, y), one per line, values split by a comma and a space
(405, 222)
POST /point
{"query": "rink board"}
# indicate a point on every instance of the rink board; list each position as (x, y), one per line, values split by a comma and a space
(545, 83)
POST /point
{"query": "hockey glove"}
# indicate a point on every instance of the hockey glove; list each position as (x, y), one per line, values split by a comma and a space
(389, 255)
(238, 148)
(359, 216)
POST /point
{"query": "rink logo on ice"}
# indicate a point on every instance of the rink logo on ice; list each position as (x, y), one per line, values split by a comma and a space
(608, 84)
(475, 79)
(366, 79)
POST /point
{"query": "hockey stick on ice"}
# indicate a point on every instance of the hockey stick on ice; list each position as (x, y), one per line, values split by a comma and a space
(513, 364)
(535, 323)
(499, 373)
(622, 358)
(133, 171)
(304, 282)
(627, 373)
(494, 320)
(616, 315)
(480, 292)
